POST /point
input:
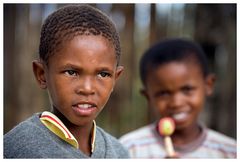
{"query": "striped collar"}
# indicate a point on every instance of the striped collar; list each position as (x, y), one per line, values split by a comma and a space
(54, 124)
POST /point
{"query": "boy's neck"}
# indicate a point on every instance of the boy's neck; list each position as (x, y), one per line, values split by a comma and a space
(83, 134)
(181, 137)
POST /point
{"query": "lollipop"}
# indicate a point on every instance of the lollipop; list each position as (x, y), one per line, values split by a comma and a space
(166, 127)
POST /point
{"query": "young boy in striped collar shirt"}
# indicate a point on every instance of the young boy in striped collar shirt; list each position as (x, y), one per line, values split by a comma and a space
(176, 82)
(79, 65)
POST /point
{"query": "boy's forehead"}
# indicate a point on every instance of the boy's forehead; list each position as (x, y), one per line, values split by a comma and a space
(87, 41)
(83, 46)
(173, 68)
(186, 62)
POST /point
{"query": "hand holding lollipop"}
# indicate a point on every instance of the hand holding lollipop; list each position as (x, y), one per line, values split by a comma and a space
(166, 127)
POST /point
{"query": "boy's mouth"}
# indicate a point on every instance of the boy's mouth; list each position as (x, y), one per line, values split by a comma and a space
(180, 116)
(85, 106)
(84, 109)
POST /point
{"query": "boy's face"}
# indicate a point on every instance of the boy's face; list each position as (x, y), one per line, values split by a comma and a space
(81, 77)
(178, 90)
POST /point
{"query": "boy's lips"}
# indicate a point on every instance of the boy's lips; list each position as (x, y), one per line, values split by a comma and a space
(84, 108)
(180, 115)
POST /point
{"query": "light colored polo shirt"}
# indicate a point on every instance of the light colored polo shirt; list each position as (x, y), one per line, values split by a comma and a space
(146, 142)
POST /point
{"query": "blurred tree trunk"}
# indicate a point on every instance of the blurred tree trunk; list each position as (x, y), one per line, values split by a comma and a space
(216, 31)
(152, 40)
(10, 86)
(129, 59)
(153, 25)
(22, 96)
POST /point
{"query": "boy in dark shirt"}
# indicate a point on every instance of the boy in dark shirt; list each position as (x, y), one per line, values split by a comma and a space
(78, 65)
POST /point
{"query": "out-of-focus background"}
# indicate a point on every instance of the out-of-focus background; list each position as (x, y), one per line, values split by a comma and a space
(213, 26)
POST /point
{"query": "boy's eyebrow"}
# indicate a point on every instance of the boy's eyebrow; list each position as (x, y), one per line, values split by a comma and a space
(70, 65)
(103, 68)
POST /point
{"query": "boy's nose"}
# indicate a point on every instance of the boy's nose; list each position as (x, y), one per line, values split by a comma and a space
(177, 100)
(85, 86)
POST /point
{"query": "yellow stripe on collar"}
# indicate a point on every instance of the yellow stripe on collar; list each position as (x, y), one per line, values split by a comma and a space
(54, 124)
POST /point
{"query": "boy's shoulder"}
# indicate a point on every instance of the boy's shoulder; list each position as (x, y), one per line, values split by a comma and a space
(140, 132)
(139, 135)
(23, 137)
(214, 136)
(25, 127)
(218, 141)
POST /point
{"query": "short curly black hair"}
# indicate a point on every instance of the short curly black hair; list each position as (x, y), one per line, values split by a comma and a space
(73, 20)
(169, 50)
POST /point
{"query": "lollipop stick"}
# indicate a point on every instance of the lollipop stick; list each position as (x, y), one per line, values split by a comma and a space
(166, 127)
(169, 146)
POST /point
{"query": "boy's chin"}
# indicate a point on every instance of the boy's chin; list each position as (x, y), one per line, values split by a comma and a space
(81, 122)
(185, 126)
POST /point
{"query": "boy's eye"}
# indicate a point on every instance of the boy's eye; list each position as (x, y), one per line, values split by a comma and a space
(71, 72)
(187, 89)
(104, 74)
(162, 93)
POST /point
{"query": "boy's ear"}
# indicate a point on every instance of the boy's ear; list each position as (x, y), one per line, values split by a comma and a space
(39, 73)
(144, 93)
(118, 72)
(210, 81)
